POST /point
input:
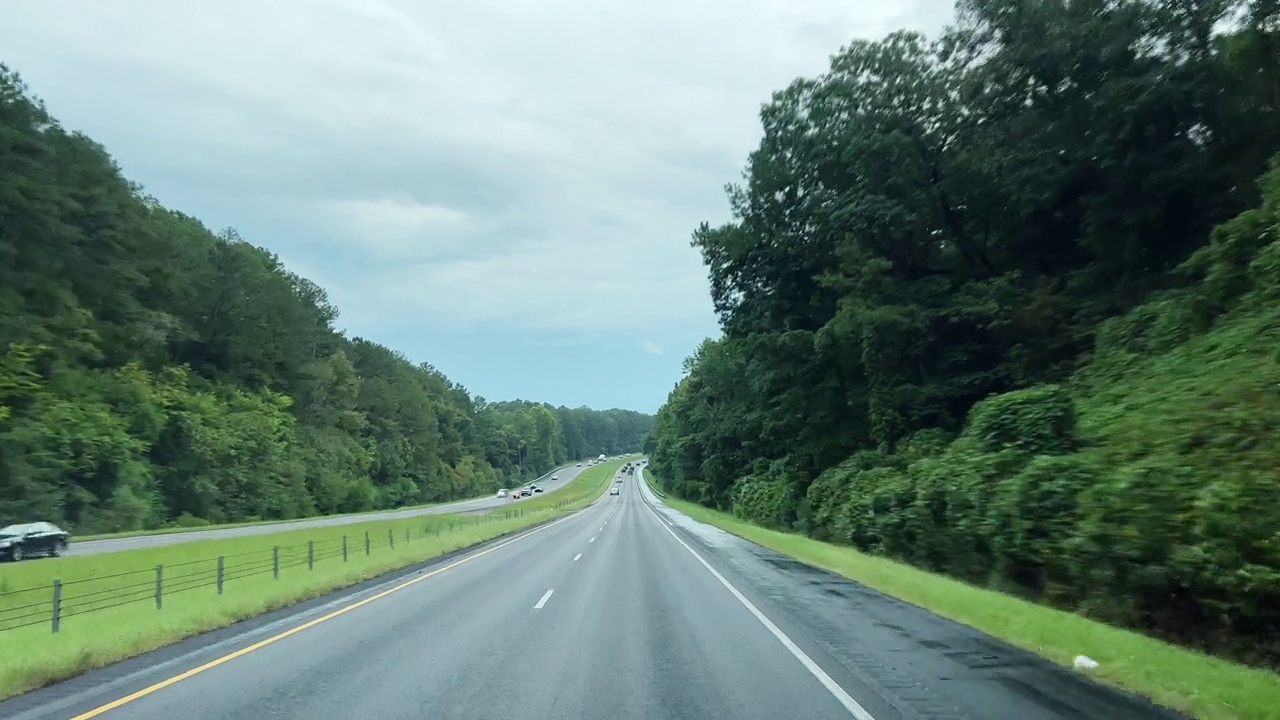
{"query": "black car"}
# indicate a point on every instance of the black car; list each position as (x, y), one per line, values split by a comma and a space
(32, 540)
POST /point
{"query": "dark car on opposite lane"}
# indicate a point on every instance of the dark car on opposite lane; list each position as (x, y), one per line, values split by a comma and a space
(36, 539)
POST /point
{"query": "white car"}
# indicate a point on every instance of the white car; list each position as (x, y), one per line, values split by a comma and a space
(502, 492)
(613, 490)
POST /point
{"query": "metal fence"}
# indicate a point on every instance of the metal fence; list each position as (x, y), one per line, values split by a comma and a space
(54, 603)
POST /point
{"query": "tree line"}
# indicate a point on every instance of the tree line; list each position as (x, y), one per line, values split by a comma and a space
(1005, 304)
(155, 373)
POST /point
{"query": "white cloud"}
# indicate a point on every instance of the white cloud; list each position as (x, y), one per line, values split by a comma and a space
(650, 348)
(496, 164)
(397, 227)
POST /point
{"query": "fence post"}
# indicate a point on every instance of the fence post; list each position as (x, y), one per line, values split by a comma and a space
(159, 586)
(57, 605)
(366, 542)
(311, 554)
(220, 564)
(275, 562)
(391, 538)
(344, 548)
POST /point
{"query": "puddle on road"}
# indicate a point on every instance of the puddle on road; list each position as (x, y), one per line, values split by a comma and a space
(711, 535)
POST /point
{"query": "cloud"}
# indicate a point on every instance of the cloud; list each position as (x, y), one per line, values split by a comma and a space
(650, 348)
(488, 166)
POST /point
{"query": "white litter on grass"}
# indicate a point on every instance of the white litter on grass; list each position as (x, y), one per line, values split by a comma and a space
(1084, 662)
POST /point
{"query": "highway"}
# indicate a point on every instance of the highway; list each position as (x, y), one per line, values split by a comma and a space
(476, 505)
(626, 609)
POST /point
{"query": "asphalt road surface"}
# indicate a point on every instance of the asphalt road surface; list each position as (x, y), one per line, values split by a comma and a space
(93, 547)
(624, 610)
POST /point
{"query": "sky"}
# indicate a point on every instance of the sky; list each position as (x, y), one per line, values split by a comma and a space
(505, 189)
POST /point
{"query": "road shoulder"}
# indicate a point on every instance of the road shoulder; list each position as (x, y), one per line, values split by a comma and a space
(917, 661)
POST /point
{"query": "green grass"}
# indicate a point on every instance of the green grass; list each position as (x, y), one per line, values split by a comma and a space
(1176, 677)
(191, 605)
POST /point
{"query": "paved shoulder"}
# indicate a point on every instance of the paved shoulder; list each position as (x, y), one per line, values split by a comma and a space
(917, 663)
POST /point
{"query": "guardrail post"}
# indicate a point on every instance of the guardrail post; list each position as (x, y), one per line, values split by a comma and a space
(391, 539)
(57, 605)
(275, 562)
(344, 548)
(366, 542)
(159, 587)
(220, 565)
(311, 554)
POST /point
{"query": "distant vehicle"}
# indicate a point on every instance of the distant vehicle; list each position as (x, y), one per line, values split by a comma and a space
(18, 542)
(618, 480)
(502, 492)
(579, 464)
(613, 491)
(555, 477)
(537, 489)
(515, 494)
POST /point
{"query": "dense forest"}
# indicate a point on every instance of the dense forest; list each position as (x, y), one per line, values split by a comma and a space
(1005, 304)
(154, 373)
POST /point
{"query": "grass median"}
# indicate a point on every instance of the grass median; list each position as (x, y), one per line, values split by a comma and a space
(1192, 682)
(108, 610)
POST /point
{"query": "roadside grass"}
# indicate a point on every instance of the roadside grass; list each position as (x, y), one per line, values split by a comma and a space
(1182, 679)
(225, 526)
(108, 606)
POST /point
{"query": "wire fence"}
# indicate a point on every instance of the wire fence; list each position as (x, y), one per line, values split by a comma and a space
(54, 603)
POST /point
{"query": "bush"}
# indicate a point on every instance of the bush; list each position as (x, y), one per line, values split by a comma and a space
(1038, 420)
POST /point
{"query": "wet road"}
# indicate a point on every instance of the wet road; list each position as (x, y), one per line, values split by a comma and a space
(624, 610)
(93, 547)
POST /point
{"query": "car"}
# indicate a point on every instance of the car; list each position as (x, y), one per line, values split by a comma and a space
(613, 491)
(554, 478)
(618, 480)
(537, 489)
(579, 464)
(502, 493)
(18, 542)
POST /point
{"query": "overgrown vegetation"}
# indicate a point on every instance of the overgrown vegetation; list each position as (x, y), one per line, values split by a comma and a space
(1006, 305)
(155, 374)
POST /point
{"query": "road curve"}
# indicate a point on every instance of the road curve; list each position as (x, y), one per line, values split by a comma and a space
(624, 610)
(94, 547)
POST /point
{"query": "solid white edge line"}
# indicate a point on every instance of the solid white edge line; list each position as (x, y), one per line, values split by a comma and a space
(544, 600)
(827, 681)
(577, 557)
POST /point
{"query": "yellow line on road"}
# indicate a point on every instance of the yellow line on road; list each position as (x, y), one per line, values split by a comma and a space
(292, 631)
